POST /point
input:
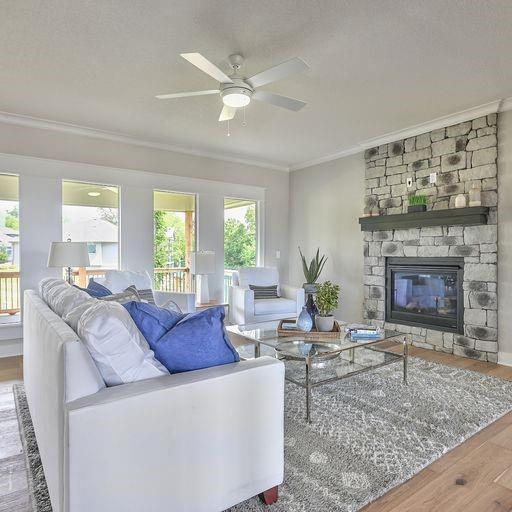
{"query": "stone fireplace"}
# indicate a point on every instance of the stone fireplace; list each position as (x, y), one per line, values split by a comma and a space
(462, 320)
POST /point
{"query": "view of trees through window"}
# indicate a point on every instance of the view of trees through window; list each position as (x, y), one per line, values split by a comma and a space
(10, 302)
(240, 237)
(174, 240)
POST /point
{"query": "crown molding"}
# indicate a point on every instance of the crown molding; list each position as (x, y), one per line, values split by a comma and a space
(47, 124)
(439, 122)
(492, 107)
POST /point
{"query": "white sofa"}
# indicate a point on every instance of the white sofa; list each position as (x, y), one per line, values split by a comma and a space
(197, 442)
(118, 280)
(244, 309)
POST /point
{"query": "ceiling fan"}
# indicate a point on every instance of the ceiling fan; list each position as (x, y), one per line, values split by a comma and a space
(236, 90)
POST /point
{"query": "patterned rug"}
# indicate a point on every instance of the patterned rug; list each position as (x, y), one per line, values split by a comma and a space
(370, 433)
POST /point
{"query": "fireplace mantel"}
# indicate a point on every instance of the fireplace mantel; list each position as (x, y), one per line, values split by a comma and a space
(453, 217)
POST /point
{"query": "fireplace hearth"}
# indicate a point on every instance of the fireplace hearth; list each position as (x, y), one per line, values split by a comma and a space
(426, 292)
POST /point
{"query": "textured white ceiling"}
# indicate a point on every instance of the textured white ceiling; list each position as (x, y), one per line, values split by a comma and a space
(376, 66)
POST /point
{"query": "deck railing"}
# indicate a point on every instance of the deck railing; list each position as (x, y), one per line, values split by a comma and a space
(9, 292)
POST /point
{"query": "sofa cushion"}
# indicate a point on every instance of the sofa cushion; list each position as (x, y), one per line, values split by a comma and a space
(258, 276)
(275, 306)
(119, 280)
(70, 299)
(47, 283)
(197, 341)
(144, 295)
(117, 347)
(128, 295)
(53, 294)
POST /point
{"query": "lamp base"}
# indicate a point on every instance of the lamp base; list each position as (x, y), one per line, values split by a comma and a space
(204, 291)
(69, 275)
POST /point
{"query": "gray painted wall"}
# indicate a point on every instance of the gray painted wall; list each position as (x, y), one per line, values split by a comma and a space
(326, 201)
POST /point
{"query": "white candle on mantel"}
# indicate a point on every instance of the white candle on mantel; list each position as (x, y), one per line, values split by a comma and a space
(460, 201)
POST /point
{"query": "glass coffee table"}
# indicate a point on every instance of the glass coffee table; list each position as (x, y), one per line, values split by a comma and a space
(315, 362)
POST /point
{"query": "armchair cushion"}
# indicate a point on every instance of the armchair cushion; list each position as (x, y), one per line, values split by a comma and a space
(258, 276)
(275, 306)
(119, 280)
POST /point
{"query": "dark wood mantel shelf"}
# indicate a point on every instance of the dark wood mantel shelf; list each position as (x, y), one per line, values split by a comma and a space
(452, 217)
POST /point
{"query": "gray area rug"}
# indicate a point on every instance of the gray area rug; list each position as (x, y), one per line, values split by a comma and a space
(370, 433)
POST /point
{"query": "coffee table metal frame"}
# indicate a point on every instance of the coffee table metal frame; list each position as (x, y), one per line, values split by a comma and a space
(308, 384)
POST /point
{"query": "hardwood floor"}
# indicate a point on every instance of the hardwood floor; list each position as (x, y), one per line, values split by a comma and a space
(474, 477)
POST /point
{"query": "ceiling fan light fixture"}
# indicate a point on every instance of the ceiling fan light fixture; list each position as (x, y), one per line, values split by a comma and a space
(236, 99)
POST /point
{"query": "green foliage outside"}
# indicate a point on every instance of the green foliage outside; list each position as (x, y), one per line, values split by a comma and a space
(12, 219)
(240, 241)
(169, 252)
(4, 257)
(327, 298)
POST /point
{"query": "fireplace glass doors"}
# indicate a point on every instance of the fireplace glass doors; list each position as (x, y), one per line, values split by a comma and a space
(425, 292)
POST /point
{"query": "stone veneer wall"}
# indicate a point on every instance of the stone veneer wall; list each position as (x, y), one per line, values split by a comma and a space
(461, 155)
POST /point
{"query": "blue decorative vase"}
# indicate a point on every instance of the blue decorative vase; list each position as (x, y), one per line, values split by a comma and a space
(305, 322)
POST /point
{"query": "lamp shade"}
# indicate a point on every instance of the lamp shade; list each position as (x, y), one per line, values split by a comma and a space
(68, 254)
(202, 263)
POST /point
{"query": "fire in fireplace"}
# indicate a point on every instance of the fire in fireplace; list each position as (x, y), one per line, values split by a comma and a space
(426, 292)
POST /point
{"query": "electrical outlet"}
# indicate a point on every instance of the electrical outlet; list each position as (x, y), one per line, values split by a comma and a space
(433, 178)
(409, 182)
(278, 254)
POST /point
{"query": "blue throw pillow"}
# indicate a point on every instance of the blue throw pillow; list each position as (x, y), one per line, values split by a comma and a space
(196, 341)
(95, 289)
(153, 322)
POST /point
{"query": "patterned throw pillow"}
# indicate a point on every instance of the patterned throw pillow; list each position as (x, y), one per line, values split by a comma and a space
(122, 297)
(264, 292)
(145, 295)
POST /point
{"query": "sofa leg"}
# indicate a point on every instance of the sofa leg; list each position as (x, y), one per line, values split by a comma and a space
(269, 496)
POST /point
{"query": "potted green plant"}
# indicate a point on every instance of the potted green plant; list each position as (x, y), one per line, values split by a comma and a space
(312, 270)
(417, 203)
(326, 301)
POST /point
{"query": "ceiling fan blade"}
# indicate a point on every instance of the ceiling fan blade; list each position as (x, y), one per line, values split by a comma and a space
(186, 94)
(279, 101)
(227, 113)
(207, 67)
(278, 72)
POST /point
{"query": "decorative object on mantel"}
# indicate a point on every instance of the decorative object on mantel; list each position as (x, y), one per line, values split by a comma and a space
(290, 328)
(371, 206)
(417, 203)
(304, 322)
(312, 272)
(452, 217)
(460, 201)
(475, 195)
(327, 302)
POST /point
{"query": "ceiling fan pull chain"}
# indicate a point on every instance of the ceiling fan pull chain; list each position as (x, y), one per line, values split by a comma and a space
(229, 132)
(244, 123)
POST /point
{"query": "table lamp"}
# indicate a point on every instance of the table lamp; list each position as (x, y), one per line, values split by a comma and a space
(202, 263)
(68, 254)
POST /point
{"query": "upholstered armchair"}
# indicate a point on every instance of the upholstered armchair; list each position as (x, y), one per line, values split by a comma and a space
(245, 309)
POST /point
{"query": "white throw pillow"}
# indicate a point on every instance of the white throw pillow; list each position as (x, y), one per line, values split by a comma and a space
(118, 348)
(46, 284)
(53, 294)
(69, 300)
(118, 280)
(73, 315)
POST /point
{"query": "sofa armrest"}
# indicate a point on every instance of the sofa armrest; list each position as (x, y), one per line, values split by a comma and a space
(294, 293)
(186, 301)
(242, 304)
(205, 440)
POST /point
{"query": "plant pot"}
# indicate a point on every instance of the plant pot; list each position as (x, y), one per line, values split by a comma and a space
(417, 208)
(324, 323)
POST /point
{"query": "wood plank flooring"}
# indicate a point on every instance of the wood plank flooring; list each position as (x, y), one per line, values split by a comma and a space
(474, 477)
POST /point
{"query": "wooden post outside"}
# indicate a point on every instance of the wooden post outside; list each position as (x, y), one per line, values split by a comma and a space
(189, 231)
(82, 277)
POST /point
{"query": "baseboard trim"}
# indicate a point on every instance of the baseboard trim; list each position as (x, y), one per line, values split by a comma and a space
(10, 348)
(505, 358)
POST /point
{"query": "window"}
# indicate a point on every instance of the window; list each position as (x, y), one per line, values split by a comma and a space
(10, 301)
(240, 237)
(174, 240)
(90, 213)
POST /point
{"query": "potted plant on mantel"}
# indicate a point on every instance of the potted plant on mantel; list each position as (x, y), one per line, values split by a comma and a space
(327, 302)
